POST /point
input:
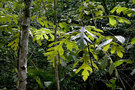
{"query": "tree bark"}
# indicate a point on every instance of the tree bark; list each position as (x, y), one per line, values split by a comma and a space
(22, 72)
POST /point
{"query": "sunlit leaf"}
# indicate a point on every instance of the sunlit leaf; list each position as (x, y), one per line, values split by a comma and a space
(133, 1)
(104, 43)
(91, 34)
(39, 42)
(126, 21)
(120, 38)
(120, 9)
(120, 20)
(114, 9)
(133, 41)
(112, 21)
(85, 74)
(60, 50)
(119, 53)
(70, 46)
(105, 48)
(113, 49)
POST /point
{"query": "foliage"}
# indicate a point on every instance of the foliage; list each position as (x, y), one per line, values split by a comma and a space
(88, 37)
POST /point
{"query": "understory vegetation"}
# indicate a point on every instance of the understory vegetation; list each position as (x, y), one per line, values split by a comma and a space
(72, 44)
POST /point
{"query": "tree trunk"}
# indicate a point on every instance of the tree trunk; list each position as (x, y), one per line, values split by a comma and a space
(22, 72)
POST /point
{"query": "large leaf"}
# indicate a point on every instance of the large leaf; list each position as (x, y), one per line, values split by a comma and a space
(85, 73)
(104, 43)
(120, 38)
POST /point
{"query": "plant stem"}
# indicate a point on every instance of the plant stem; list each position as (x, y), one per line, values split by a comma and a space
(55, 37)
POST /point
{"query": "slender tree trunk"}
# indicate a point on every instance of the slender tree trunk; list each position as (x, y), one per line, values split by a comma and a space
(56, 62)
(22, 73)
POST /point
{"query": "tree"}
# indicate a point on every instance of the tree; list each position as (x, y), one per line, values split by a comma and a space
(23, 49)
(94, 39)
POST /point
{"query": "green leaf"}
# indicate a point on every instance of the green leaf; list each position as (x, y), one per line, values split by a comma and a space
(113, 49)
(85, 74)
(119, 53)
(104, 43)
(119, 62)
(60, 50)
(94, 65)
(75, 45)
(46, 37)
(112, 21)
(77, 62)
(98, 30)
(52, 37)
(120, 20)
(70, 46)
(104, 63)
(11, 43)
(111, 68)
(40, 21)
(129, 14)
(120, 9)
(133, 41)
(33, 17)
(54, 43)
(84, 66)
(62, 57)
(79, 69)
(38, 81)
(63, 24)
(99, 13)
(8, 18)
(133, 1)
(106, 47)
(46, 24)
(114, 9)
(39, 42)
(94, 54)
(126, 21)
